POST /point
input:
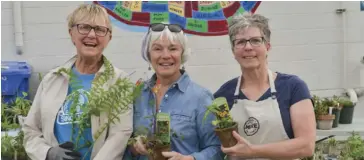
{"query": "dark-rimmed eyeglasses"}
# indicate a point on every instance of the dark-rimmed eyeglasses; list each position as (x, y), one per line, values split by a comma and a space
(255, 42)
(159, 27)
(85, 29)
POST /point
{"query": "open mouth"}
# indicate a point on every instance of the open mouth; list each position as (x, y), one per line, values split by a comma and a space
(249, 57)
(88, 44)
(166, 64)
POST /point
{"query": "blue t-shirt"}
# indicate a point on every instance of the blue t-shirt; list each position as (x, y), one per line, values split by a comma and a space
(290, 89)
(63, 123)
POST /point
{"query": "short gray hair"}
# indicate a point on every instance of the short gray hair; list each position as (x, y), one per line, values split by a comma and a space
(242, 21)
(179, 37)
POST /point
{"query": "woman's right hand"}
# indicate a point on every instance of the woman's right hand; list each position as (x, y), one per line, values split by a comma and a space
(139, 147)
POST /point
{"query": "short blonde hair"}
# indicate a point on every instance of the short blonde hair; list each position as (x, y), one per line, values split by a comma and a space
(88, 12)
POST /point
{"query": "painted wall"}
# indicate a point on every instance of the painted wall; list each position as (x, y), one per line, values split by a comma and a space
(307, 37)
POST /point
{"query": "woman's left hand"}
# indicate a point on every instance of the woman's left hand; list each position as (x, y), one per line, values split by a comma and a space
(176, 156)
(242, 149)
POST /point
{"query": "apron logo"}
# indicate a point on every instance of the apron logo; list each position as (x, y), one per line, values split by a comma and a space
(251, 126)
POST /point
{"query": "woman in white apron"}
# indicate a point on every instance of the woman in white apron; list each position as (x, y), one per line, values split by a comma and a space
(273, 110)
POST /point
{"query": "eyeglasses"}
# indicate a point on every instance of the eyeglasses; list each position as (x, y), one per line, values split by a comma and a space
(85, 29)
(159, 27)
(255, 42)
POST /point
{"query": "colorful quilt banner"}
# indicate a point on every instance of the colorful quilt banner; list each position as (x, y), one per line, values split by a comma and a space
(204, 18)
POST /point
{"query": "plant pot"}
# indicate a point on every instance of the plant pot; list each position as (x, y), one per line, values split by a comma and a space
(13, 158)
(325, 122)
(6, 158)
(346, 115)
(157, 150)
(337, 114)
(226, 135)
(333, 152)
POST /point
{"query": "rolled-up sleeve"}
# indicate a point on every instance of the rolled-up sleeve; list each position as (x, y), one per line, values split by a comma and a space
(209, 143)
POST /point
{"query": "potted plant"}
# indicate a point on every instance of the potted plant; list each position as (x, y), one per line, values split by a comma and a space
(333, 152)
(347, 112)
(336, 108)
(103, 98)
(323, 118)
(224, 123)
(159, 140)
(354, 148)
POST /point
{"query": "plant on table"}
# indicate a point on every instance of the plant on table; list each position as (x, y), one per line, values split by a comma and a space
(224, 123)
(346, 115)
(323, 118)
(103, 98)
(333, 148)
(334, 104)
(354, 148)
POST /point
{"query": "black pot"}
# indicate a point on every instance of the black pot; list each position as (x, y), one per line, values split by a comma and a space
(6, 158)
(346, 115)
(337, 114)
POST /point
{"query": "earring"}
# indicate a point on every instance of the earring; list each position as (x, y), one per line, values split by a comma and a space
(149, 73)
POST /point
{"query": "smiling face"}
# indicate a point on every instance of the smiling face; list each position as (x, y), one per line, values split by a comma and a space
(90, 42)
(90, 30)
(250, 48)
(165, 56)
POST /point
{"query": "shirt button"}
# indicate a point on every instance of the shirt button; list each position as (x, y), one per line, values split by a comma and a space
(166, 96)
(174, 85)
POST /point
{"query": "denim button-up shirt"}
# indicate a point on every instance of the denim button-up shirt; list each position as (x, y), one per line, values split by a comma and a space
(186, 103)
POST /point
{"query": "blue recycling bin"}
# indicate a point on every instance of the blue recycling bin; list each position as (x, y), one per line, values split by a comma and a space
(14, 80)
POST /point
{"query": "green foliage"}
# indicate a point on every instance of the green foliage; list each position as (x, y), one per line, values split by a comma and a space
(345, 102)
(321, 105)
(12, 146)
(103, 98)
(220, 109)
(354, 147)
(350, 149)
(153, 138)
(8, 119)
(331, 102)
(10, 112)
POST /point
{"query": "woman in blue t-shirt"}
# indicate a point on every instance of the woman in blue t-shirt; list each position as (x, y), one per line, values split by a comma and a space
(273, 110)
(59, 125)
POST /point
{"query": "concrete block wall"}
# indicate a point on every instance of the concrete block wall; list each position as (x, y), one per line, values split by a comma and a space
(307, 38)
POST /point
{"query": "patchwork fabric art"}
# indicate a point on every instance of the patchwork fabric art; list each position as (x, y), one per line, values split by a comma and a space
(204, 18)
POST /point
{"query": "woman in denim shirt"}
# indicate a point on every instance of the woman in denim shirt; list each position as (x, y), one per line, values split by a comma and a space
(164, 47)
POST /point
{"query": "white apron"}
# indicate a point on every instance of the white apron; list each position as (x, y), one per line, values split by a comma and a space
(259, 122)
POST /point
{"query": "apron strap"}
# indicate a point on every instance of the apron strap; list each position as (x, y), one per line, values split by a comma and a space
(237, 88)
(271, 84)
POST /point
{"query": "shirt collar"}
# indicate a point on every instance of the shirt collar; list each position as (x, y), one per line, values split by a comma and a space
(181, 83)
